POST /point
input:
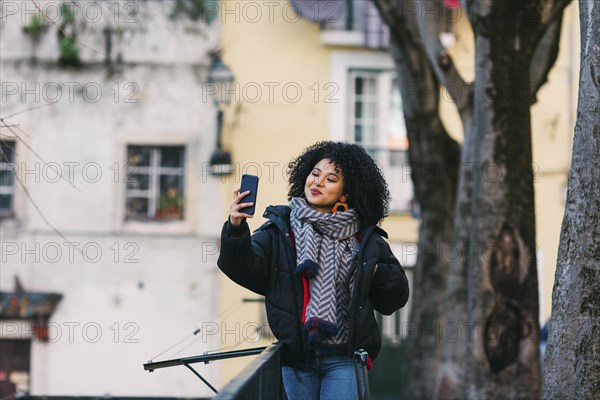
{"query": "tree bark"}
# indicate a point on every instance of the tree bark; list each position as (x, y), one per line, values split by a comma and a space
(572, 362)
(493, 286)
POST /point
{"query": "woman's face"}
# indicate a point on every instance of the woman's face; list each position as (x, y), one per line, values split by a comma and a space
(324, 186)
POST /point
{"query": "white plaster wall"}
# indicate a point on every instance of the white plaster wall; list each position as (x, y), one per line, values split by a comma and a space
(119, 309)
(116, 316)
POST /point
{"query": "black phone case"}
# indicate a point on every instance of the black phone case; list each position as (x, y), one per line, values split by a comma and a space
(249, 182)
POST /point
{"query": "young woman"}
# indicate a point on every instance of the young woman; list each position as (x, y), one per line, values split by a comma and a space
(323, 266)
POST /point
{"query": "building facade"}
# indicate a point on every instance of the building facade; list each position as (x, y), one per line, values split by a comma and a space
(106, 200)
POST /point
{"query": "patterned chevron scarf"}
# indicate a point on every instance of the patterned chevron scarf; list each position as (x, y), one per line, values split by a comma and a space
(325, 248)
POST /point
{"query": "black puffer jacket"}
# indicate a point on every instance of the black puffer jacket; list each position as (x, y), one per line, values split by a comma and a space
(265, 263)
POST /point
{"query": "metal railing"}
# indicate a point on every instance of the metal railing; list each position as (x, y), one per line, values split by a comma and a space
(261, 379)
(360, 16)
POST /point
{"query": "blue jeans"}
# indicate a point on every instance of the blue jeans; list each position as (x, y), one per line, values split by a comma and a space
(333, 377)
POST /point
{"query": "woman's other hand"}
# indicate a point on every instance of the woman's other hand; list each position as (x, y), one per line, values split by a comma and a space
(235, 216)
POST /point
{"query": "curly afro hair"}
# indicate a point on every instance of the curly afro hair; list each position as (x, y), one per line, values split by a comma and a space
(366, 190)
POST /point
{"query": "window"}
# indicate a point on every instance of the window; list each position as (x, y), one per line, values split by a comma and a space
(350, 18)
(155, 183)
(7, 178)
(365, 108)
(376, 122)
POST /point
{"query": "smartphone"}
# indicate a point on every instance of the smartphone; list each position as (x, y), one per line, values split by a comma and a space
(249, 182)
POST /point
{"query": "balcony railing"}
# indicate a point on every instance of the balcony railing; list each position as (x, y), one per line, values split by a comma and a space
(357, 17)
(261, 379)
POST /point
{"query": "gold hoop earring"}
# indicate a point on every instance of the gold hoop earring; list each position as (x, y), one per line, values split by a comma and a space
(341, 205)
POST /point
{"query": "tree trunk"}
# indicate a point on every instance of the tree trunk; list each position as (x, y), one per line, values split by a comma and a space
(492, 286)
(572, 363)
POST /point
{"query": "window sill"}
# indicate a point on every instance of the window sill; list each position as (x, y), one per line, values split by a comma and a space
(342, 38)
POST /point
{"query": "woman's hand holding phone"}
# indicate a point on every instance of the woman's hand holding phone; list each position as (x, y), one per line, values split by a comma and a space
(235, 216)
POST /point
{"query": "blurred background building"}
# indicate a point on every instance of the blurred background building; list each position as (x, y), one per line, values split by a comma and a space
(105, 197)
(120, 156)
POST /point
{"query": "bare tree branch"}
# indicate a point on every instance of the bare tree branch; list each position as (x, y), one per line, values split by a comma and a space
(460, 91)
(406, 40)
(418, 40)
(544, 57)
(439, 58)
(28, 109)
(553, 10)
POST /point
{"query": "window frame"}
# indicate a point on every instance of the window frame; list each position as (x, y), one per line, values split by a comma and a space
(9, 189)
(154, 171)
